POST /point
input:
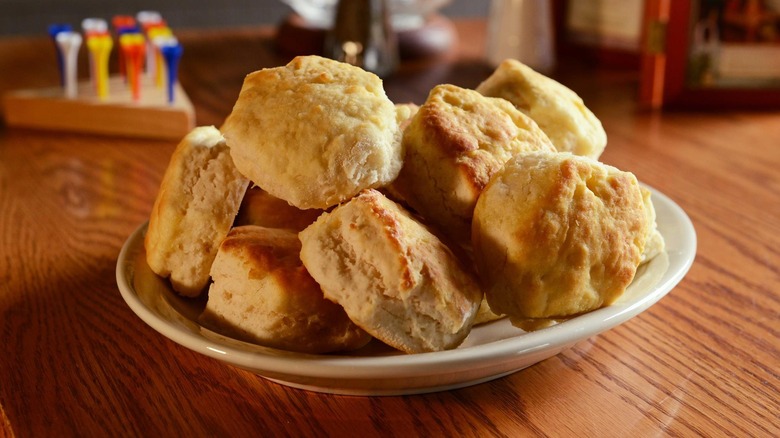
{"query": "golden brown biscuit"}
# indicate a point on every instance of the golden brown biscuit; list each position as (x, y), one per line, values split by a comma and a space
(404, 113)
(465, 253)
(194, 210)
(560, 112)
(263, 294)
(485, 314)
(654, 243)
(262, 209)
(393, 277)
(454, 144)
(314, 132)
(556, 235)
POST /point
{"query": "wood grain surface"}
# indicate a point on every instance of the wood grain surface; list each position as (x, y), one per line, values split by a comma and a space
(76, 361)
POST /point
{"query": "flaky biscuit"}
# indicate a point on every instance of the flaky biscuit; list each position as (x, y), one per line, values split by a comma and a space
(394, 278)
(198, 199)
(485, 314)
(261, 208)
(263, 294)
(314, 132)
(404, 113)
(654, 243)
(454, 143)
(559, 111)
(556, 235)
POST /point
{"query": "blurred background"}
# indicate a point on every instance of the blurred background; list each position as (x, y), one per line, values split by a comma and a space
(31, 17)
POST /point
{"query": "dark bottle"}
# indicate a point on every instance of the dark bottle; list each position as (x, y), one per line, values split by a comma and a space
(363, 36)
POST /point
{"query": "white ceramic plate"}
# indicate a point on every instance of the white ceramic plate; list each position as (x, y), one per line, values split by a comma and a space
(491, 351)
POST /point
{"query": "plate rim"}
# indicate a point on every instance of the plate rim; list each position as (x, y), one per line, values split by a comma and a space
(335, 366)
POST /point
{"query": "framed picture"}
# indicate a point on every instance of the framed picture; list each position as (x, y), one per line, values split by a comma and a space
(605, 32)
(711, 54)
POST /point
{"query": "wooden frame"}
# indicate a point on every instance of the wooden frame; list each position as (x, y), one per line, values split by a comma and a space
(667, 38)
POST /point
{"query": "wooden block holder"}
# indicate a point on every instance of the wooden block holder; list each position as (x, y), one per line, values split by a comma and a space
(151, 116)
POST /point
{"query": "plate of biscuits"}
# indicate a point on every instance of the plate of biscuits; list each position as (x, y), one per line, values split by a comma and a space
(329, 239)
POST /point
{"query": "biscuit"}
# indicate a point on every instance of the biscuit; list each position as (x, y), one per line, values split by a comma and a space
(485, 314)
(260, 208)
(404, 113)
(394, 278)
(465, 253)
(556, 235)
(654, 243)
(559, 111)
(314, 132)
(198, 199)
(262, 294)
(454, 143)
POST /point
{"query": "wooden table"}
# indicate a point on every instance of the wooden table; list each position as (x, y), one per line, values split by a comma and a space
(77, 362)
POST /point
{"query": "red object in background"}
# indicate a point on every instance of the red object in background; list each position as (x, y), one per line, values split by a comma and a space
(665, 58)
